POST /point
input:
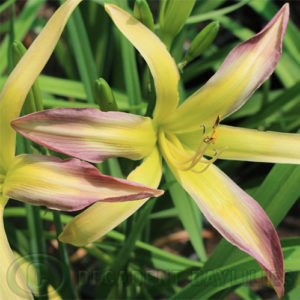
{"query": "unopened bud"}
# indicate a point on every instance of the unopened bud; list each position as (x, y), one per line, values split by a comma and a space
(104, 96)
(202, 41)
(143, 13)
(172, 17)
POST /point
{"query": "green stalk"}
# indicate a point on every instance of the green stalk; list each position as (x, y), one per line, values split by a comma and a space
(83, 53)
(11, 38)
(5, 5)
(69, 285)
(38, 249)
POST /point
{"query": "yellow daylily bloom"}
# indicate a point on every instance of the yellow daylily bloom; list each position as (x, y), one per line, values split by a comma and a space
(184, 136)
(68, 184)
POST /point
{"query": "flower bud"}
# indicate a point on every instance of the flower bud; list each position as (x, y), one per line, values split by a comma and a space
(202, 41)
(172, 17)
(104, 96)
(142, 12)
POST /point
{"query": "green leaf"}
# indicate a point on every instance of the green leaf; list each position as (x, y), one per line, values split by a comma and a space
(150, 255)
(73, 89)
(82, 52)
(272, 112)
(130, 75)
(246, 293)
(207, 5)
(5, 5)
(215, 13)
(22, 24)
(207, 283)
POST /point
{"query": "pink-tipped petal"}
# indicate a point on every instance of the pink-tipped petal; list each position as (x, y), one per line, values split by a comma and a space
(89, 134)
(68, 184)
(243, 71)
(100, 218)
(236, 215)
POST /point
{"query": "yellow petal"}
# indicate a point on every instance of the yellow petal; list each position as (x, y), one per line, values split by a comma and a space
(248, 144)
(255, 145)
(22, 77)
(12, 283)
(236, 215)
(90, 134)
(100, 218)
(243, 71)
(160, 62)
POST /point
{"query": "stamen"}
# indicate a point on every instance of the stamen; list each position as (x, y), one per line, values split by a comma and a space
(217, 123)
(209, 162)
(207, 141)
(203, 170)
(195, 159)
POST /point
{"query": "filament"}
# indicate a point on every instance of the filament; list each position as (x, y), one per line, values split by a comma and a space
(197, 157)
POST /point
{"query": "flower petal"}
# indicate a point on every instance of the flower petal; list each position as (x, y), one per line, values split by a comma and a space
(100, 218)
(89, 134)
(160, 62)
(12, 283)
(255, 145)
(243, 71)
(248, 144)
(24, 74)
(68, 184)
(236, 215)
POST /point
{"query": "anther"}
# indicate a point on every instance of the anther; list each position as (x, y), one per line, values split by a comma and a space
(204, 128)
(217, 123)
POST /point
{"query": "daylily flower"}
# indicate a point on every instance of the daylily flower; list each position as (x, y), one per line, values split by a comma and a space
(184, 136)
(68, 184)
